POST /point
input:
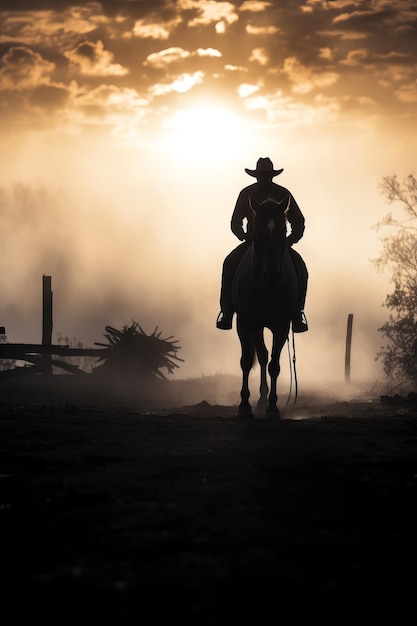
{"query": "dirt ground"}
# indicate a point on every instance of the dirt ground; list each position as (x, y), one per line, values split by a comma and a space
(110, 511)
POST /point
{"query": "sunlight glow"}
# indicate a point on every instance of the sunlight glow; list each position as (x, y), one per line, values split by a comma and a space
(206, 132)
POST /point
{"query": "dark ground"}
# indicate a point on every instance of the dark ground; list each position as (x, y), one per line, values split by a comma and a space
(191, 515)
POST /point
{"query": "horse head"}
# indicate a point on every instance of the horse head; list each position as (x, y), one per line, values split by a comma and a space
(269, 238)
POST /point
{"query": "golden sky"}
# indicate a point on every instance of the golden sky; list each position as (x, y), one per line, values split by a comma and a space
(125, 128)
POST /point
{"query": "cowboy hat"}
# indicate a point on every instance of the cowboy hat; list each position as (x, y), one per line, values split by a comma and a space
(263, 166)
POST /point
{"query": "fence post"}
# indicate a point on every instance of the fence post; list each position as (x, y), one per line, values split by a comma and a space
(348, 347)
(46, 322)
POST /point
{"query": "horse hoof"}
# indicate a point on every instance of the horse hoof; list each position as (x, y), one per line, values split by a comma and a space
(245, 412)
(262, 405)
(273, 412)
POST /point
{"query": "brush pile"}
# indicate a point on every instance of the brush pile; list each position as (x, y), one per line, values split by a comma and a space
(131, 353)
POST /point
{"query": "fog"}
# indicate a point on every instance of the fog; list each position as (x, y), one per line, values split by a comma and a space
(155, 258)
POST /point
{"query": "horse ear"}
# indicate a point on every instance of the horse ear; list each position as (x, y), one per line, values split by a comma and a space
(254, 204)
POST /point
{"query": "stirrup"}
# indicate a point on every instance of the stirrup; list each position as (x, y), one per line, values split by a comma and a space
(299, 322)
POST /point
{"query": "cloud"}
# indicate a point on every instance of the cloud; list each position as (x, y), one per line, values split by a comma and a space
(287, 112)
(24, 69)
(246, 90)
(354, 58)
(165, 57)
(118, 43)
(180, 84)
(208, 52)
(209, 11)
(326, 54)
(255, 6)
(235, 68)
(50, 27)
(91, 59)
(304, 79)
(350, 17)
(261, 30)
(50, 97)
(362, 56)
(154, 30)
(260, 55)
(407, 93)
(108, 99)
(343, 35)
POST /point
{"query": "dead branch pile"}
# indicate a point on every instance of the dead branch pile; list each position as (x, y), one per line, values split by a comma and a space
(132, 353)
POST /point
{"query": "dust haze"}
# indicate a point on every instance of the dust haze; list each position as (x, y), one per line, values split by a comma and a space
(160, 267)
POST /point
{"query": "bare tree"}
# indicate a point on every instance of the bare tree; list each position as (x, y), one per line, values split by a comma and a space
(399, 256)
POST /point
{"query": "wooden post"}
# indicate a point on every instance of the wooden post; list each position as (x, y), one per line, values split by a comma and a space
(348, 347)
(46, 322)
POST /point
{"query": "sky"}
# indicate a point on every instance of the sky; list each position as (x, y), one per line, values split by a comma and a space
(125, 130)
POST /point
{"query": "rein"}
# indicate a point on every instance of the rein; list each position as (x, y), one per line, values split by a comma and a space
(292, 369)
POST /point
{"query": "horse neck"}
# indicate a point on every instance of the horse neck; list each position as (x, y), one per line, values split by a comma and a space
(273, 262)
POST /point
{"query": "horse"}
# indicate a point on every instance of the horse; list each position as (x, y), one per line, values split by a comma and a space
(264, 291)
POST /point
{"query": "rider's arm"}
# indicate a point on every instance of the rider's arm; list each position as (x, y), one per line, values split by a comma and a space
(239, 214)
(296, 220)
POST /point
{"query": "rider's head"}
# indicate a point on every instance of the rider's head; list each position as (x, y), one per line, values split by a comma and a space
(264, 170)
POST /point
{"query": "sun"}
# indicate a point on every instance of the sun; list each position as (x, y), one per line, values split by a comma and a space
(206, 133)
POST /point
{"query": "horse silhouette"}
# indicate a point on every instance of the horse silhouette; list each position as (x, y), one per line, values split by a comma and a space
(264, 292)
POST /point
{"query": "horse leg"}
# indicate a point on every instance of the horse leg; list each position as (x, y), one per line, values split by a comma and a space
(262, 353)
(274, 369)
(272, 409)
(246, 363)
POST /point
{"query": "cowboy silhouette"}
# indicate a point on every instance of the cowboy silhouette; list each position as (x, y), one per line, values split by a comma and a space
(242, 227)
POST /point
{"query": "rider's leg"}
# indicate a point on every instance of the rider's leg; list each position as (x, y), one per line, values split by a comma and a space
(225, 317)
(299, 323)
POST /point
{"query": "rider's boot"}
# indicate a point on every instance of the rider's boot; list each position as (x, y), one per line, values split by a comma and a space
(224, 320)
(299, 322)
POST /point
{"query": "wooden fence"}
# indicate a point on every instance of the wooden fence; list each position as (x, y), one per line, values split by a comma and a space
(41, 356)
